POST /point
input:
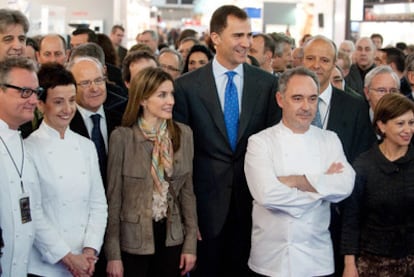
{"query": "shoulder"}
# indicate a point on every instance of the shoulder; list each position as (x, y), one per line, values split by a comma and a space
(185, 129)
(366, 159)
(342, 96)
(200, 74)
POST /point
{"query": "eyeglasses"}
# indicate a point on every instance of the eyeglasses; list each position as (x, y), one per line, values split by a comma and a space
(25, 92)
(169, 67)
(87, 83)
(384, 90)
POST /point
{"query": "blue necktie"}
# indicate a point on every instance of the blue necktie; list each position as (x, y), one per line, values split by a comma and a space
(98, 140)
(317, 121)
(231, 110)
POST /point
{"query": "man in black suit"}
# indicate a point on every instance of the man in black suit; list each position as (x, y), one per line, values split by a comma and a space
(90, 96)
(224, 203)
(341, 112)
(116, 36)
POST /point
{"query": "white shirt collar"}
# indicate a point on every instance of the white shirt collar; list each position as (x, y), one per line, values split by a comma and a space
(87, 113)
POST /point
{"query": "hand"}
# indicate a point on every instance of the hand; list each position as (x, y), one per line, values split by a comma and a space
(187, 263)
(199, 234)
(350, 271)
(78, 265)
(335, 168)
(115, 268)
(92, 259)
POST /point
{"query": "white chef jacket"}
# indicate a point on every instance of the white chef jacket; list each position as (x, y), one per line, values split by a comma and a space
(19, 237)
(290, 235)
(73, 196)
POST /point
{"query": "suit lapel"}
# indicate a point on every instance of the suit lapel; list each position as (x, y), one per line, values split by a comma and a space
(209, 96)
(336, 112)
(249, 97)
(77, 125)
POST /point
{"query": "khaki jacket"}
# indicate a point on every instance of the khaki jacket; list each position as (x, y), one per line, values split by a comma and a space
(129, 194)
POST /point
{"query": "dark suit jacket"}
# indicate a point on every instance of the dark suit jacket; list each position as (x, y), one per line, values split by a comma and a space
(78, 126)
(354, 79)
(218, 172)
(349, 119)
(122, 51)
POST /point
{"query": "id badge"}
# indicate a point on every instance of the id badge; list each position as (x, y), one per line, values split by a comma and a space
(25, 209)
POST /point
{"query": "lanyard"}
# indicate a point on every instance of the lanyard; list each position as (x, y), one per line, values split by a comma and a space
(19, 172)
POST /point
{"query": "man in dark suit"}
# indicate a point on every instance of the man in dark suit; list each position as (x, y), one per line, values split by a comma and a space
(90, 96)
(224, 203)
(341, 112)
(116, 36)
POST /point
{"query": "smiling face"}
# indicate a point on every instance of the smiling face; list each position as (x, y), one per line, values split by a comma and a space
(197, 60)
(60, 107)
(319, 56)
(398, 131)
(14, 109)
(298, 103)
(12, 42)
(380, 82)
(159, 105)
(233, 43)
(92, 97)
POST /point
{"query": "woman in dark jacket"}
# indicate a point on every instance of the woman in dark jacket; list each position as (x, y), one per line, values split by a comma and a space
(378, 219)
(152, 222)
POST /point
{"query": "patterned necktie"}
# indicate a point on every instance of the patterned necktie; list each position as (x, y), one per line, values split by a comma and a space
(231, 110)
(317, 121)
(98, 140)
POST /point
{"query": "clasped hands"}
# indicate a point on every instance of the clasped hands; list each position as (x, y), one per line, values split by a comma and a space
(301, 182)
(81, 265)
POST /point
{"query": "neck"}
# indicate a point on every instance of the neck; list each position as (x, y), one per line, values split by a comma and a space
(153, 122)
(391, 151)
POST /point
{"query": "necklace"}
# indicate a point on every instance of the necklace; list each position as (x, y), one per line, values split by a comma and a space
(19, 172)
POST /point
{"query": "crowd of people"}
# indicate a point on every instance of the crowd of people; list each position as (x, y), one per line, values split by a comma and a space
(239, 154)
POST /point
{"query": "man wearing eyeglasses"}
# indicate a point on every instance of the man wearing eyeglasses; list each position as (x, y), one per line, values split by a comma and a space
(21, 216)
(171, 62)
(381, 80)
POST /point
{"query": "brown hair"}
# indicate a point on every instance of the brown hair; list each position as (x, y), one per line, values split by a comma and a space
(389, 107)
(143, 85)
(219, 18)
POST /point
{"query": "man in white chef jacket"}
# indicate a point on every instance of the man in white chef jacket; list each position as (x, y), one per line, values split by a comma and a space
(21, 214)
(294, 171)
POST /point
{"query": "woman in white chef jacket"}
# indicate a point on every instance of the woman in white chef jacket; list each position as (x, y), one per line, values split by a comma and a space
(73, 196)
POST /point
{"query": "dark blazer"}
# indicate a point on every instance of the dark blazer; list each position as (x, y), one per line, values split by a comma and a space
(349, 119)
(122, 51)
(354, 79)
(218, 172)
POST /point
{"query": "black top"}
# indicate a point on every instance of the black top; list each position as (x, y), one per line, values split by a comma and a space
(378, 217)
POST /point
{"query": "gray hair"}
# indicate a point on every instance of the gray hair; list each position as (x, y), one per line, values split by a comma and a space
(12, 17)
(175, 52)
(75, 60)
(89, 49)
(280, 39)
(15, 62)
(297, 71)
(382, 69)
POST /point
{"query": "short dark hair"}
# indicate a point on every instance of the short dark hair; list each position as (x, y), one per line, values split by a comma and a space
(218, 20)
(132, 57)
(197, 48)
(33, 43)
(390, 106)
(396, 56)
(376, 35)
(297, 71)
(269, 43)
(117, 26)
(52, 75)
(91, 34)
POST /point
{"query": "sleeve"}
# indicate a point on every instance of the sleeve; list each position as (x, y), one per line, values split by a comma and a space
(267, 191)
(334, 187)
(114, 195)
(351, 218)
(98, 212)
(181, 111)
(47, 240)
(188, 201)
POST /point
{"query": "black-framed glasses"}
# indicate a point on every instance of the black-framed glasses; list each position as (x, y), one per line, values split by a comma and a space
(24, 91)
(87, 83)
(384, 90)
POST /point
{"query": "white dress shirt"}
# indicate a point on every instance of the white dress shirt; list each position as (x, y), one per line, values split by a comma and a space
(86, 116)
(290, 235)
(19, 237)
(73, 196)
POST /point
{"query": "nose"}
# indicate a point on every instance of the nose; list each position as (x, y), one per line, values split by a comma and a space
(247, 42)
(33, 99)
(17, 44)
(170, 99)
(305, 105)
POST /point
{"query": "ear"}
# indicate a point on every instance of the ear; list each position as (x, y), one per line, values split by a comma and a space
(366, 93)
(381, 126)
(215, 38)
(279, 99)
(410, 77)
(37, 53)
(41, 106)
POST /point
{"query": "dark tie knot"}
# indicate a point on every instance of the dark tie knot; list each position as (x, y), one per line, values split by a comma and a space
(96, 118)
(230, 75)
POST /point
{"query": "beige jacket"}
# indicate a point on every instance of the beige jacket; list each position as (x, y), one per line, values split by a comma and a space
(129, 194)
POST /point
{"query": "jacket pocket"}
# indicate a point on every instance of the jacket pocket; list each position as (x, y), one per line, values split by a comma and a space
(177, 231)
(131, 231)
